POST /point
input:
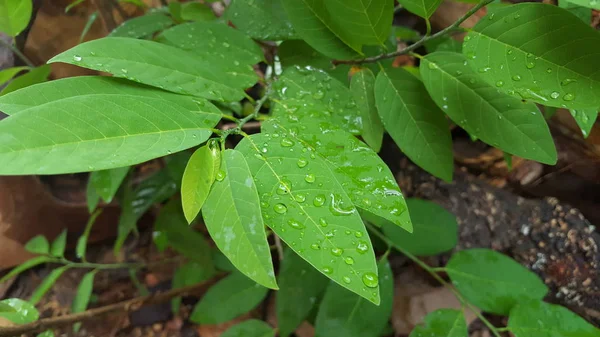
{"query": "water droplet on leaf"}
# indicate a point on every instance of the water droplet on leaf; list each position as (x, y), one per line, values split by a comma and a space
(370, 280)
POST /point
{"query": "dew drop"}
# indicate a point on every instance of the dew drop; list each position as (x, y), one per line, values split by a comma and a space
(337, 251)
(300, 197)
(319, 200)
(569, 97)
(349, 261)
(530, 65)
(323, 222)
(302, 162)
(362, 247)
(315, 246)
(509, 52)
(318, 94)
(280, 208)
(295, 224)
(220, 175)
(346, 279)
(499, 83)
(516, 78)
(567, 81)
(310, 178)
(555, 94)
(548, 70)
(370, 280)
(491, 17)
(77, 58)
(432, 65)
(328, 270)
(285, 142)
(358, 234)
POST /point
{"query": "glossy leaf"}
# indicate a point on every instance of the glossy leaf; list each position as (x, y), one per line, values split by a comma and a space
(24, 266)
(413, 120)
(199, 176)
(162, 66)
(595, 4)
(362, 86)
(442, 323)
(81, 132)
(38, 245)
(84, 293)
(313, 23)
(46, 284)
(492, 281)
(18, 311)
(299, 53)
(261, 19)
(142, 26)
(250, 328)
(57, 249)
(300, 285)
(422, 8)
(554, 66)
(8, 73)
(107, 182)
(362, 22)
(194, 11)
(435, 229)
(229, 298)
(539, 319)
(81, 247)
(232, 214)
(307, 207)
(585, 118)
(14, 16)
(344, 314)
(187, 275)
(34, 76)
(483, 111)
(584, 13)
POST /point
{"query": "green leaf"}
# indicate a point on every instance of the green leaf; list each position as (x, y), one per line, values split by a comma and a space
(83, 239)
(595, 4)
(422, 8)
(311, 20)
(107, 182)
(18, 311)
(232, 214)
(483, 111)
(162, 66)
(82, 132)
(585, 118)
(83, 295)
(142, 26)
(304, 203)
(73, 4)
(57, 249)
(24, 266)
(250, 328)
(442, 323)
(193, 11)
(88, 25)
(413, 120)
(584, 13)
(299, 53)
(187, 275)
(555, 67)
(92, 197)
(539, 319)
(8, 73)
(229, 298)
(261, 19)
(430, 220)
(344, 314)
(443, 43)
(46, 284)
(38, 245)
(14, 16)
(47, 333)
(175, 165)
(362, 22)
(406, 34)
(34, 76)
(362, 86)
(199, 176)
(492, 281)
(300, 285)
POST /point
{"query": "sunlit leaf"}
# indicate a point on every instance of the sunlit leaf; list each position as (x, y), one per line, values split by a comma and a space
(14, 16)
(363, 88)
(361, 22)
(442, 323)
(261, 19)
(18, 311)
(199, 176)
(142, 26)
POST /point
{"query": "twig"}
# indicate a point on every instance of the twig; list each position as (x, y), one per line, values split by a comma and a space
(17, 52)
(419, 43)
(127, 306)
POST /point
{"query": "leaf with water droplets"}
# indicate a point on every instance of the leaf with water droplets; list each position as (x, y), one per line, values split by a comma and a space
(311, 20)
(232, 214)
(585, 118)
(85, 124)
(315, 217)
(162, 66)
(422, 8)
(362, 86)
(199, 175)
(14, 16)
(106, 182)
(261, 19)
(555, 67)
(299, 53)
(361, 22)
(442, 323)
(483, 111)
(413, 120)
(142, 26)
(493, 281)
(18, 311)
(342, 313)
(538, 319)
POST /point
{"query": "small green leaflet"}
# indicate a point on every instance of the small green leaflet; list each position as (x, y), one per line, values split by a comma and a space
(8, 73)
(250, 328)
(24, 266)
(18, 311)
(106, 182)
(229, 298)
(232, 214)
(34, 76)
(422, 8)
(299, 53)
(585, 118)
(14, 16)
(492, 281)
(193, 11)
(483, 111)
(595, 4)
(344, 314)
(539, 319)
(57, 249)
(161, 66)
(83, 295)
(306, 206)
(362, 86)
(46, 284)
(38, 245)
(442, 323)
(413, 120)
(198, 177)
(81, 247)
(261, 19)
(554, 67)
(142, 26)
(300, 285)
(95, 132)
(311, 20)
(430, 220)
(361, 22)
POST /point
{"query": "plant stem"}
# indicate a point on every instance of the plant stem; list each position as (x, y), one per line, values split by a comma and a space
(419, 43)
(253, 115)
(18, 53)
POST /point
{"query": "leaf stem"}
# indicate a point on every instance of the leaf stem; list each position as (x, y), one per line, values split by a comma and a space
(18, 53)
(419, 43)
(254, 115)
(428, 24)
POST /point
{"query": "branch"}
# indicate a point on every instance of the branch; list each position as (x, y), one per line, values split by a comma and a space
(419, 43)
(126, 306)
